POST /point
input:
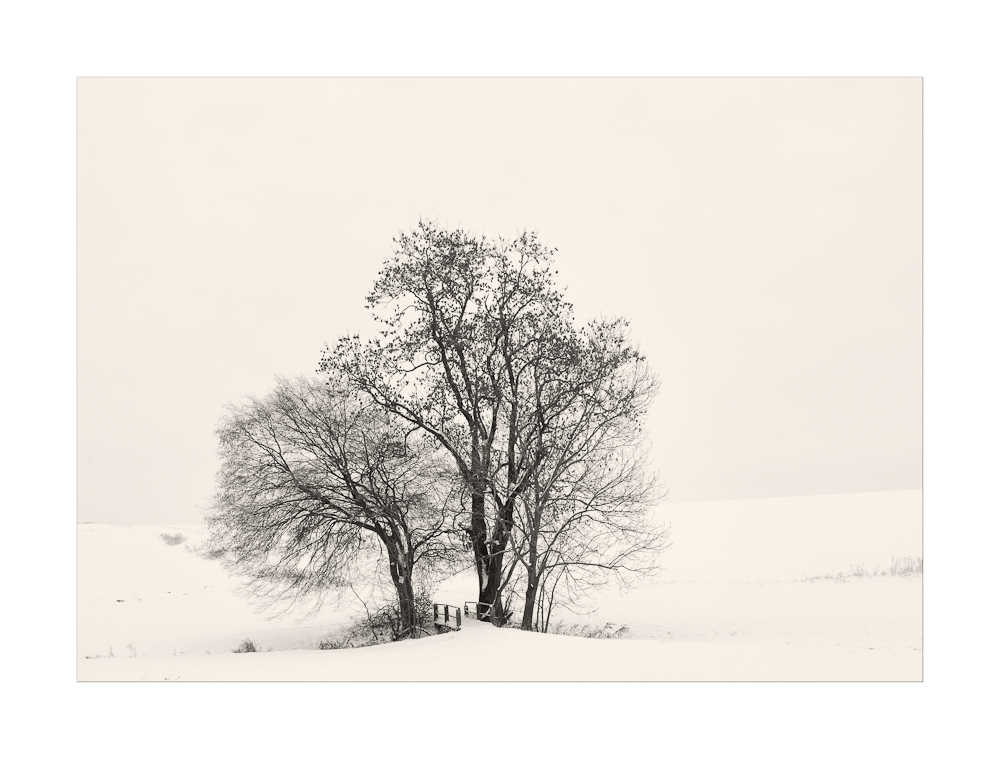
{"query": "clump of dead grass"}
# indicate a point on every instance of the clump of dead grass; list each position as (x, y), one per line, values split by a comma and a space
(906, 565)
(589, 631)
(898, 567)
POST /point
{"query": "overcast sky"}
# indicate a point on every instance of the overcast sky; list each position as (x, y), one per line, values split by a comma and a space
(762, 235)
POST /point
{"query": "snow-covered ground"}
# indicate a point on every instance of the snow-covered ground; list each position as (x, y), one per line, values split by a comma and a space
(749, 591)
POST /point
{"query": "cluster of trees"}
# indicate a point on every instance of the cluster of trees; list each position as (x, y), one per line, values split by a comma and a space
(482, 426)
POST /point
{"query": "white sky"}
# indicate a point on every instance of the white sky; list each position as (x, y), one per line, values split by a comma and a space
(763, 236)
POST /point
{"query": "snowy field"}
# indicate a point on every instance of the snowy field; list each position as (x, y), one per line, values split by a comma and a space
(765, 589)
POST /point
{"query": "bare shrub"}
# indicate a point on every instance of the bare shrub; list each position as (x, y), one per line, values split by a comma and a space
(333, 642)
(383, 625)
(906, 565)
(246, 647)
(172, 540)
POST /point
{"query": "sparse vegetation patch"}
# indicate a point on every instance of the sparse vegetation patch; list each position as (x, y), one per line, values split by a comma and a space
(578, 630)
(907, 565)
(898, 567)
(384, 625)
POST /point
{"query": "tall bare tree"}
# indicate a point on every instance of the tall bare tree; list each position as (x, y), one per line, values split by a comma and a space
(315, 483)
(462, 318)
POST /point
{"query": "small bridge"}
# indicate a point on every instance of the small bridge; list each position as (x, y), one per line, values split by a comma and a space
(449, 616)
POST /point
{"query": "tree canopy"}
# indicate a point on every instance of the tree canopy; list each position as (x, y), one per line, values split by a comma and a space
(478, 349)
(481, 420)
(315, 485)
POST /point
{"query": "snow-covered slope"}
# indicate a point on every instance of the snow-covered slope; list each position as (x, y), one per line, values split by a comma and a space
(135, 591)
(737, 600)
(482, 652)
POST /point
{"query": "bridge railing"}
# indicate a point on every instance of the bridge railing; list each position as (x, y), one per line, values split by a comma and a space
(479, 610)
(448, 616)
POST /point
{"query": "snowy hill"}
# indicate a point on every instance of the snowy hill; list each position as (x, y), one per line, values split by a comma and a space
(750, 590)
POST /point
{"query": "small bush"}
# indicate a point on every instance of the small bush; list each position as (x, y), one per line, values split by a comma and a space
(172, 540)
(246, 647)
(383, 625)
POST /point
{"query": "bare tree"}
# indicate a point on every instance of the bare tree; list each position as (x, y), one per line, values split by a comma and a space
(462, 318)
(585, 518)
(316, 487)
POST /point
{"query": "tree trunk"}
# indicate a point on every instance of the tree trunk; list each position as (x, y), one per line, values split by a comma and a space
(529, 601)
(533, 567)
(480, 545)
(402, 580)
(490, 594)
(493, 564)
